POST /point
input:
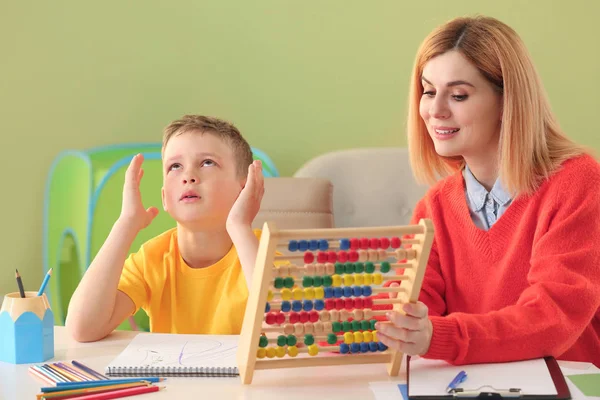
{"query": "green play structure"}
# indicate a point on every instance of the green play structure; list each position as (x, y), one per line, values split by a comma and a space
(83, 200)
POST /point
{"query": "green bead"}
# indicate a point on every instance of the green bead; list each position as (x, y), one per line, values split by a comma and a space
(349, 268)
(291, 340)
(346, 326)
(359, 267)
(317, 281)
(307, 281)
(336, 326)
(327, 281)
(288, 282)
(385, 267)
(281, 340)
(356, 325)
(278, 283)
(369, 267)
(365, 325)
(332, 338)
(263, 341)
(309, 339)
(339, 268)
(373, 322)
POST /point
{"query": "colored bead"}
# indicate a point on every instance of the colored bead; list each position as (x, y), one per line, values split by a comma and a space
(339, 304)
(411, 254)
(309, 293)
(367, 290)
(329, 304)
(367, 336)
(368, 279)
(336, 315)
(280, 318)
(363, 255)
(368, 302)
(329, 269)
(358, 336)
(327, 327)
(356, 290)
(377, 279)
(354, 244)
(278, 283)
(319, 293)
(267, 308)
(328, 292)
(359, 303)
(271, 352)
(348, 280)
(339, 268)
(338, 292)
(349, 268)
(307, 281)
(384, 243)
(373, 255)
(286, 306)
(348, 292)
(355, 348)
(297, 293)
(313, 350)
(348, 338)
(270, 318)
(303, 316)
(353, 256)
(383, 255)
(336, 280)
(365, 325)
(364, 243)
(298, 328)
(344, 244)
(309, 339)
(368, 314)
(261, 353)
(281, 340)
(320, 269)
(309, 269)
(309, 257)
(296, 305)
(327, 281)
(317, 281)
(321, 257)
(291, 340)
(342, 256)
(332, 338)
(263, 341)
(293, 245)
(346, 326)
(374, 243)
(344, 348)
(318, 325)
(294, 317)
(307, 305)
(373, 346)
(356, 325)
(400, 254)
(359, 268)
(359, 279)
(323, 245)
(349, 304)
(385, 267)
(292, 351)
(302, 245)
(319, 305)
(364, 347)
(336, 326)
(313, 316)
(286, 294)
(381, 346)
(269, 295)
(369, 267)
(331, 256)
(395, 242)
(372, 322)
(309, 328)
(288, 329)
(313, 245)
(288, 282)
(324, 316)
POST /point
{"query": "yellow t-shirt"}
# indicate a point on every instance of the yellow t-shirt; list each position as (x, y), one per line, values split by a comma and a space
(180, 299)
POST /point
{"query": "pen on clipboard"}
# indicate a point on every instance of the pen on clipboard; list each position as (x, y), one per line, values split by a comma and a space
(458, 379)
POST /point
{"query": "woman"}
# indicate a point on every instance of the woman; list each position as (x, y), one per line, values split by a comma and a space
(514, 271)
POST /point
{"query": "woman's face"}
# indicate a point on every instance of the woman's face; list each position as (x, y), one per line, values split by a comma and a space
(461, 109)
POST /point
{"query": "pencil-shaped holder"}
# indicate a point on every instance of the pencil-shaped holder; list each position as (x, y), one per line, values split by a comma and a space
(26, 329)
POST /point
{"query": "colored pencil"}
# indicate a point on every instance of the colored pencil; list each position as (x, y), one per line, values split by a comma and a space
(43, 377)
(116, 394)
(84, 373)
(88, 370)
(80, 376)
(62, 373)
(83, 385)
(20, 283)
(57, 377)
(45, 282)
(99, 389)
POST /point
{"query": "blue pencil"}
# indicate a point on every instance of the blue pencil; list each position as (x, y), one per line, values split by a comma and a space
(85, 385)
(45, 282)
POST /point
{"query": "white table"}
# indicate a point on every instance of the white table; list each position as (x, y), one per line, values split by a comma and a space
(318, 383)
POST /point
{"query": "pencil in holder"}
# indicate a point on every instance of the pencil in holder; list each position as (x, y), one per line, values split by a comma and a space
(26, 329)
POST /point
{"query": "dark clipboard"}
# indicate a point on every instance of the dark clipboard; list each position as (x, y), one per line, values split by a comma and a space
(558, 378)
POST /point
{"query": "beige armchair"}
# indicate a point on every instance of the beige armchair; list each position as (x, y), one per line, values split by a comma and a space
(371, 187)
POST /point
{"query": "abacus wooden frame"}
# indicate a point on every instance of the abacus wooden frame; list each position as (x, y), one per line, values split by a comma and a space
(262, 276)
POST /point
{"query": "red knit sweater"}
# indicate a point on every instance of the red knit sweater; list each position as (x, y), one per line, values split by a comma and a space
(530, 286)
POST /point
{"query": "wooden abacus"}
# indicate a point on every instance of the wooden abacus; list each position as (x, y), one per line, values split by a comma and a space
(340, 282)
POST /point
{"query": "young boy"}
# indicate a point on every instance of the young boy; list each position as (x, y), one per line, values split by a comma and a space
(193, 278)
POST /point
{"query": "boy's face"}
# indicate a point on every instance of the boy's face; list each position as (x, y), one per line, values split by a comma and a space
(200, 182)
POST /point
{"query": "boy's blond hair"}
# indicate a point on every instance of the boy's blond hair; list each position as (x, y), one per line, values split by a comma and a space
(532, 145)
(222, 129)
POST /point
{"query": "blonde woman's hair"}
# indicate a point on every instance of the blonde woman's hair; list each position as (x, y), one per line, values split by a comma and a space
(532, 145)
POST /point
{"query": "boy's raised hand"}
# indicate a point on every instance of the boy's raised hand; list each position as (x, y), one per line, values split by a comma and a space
(132, 209)
(246, 206)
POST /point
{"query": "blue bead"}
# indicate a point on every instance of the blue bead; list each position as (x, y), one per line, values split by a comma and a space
(323, 245)
(367, 290)
(328, 292)
(296, 305)
(293, 245)
(313, 245)
(357, 291)
(307, 306)
(302, 245)
(268, 308)
(344, 348)
(344, 244)
(319, 305)
(337, 292)
(364, 347)
(347, 291)
(355, 348)
(286, 306)
(373, 346)
(381, 346)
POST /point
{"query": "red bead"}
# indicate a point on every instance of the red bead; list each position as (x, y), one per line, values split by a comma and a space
(329, 304)
(339, 304)
(270, 318)
(396, 243)
(331, 256)
(342, 256)
(280, 318)
(384, 243)
(354, 244)
(294, 317)
(359, 302)
(321, 257)
(309, 257)
(374, 243)
(353, 256)
(368, 302)
(364, 243)
(349, 304)
(313, 316)
(303, 316)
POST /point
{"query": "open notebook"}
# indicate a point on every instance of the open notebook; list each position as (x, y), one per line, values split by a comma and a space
(157, 354)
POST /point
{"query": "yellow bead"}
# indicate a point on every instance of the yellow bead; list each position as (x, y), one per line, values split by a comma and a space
(297, 293)
(280, 351)
(286, 294)
(313, 350)
(269, 295)
(358, 337)
(271, 352)
(319, 293)
(309, 293)
(292, 351)
(367, 336)
(348, 280)
(377, 279)
(261, 353)
(359, 279)
(368, 279)
(375, 336)
(348, 338)
(336, 280)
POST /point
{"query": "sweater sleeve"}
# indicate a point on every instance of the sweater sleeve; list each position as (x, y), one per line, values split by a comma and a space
(563, 293)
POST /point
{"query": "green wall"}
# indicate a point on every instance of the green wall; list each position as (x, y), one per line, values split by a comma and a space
(299, 78)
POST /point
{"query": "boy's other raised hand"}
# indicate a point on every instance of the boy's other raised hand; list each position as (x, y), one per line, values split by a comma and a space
(246, 206)
(132, 209)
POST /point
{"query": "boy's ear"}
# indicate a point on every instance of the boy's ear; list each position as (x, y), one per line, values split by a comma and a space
(162, 196)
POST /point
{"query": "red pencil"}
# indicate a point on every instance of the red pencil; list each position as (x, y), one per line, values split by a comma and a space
(116, 394)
